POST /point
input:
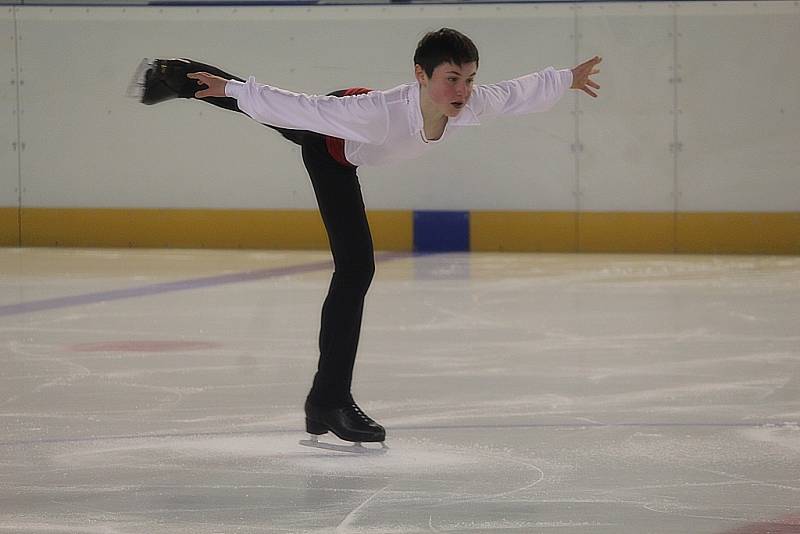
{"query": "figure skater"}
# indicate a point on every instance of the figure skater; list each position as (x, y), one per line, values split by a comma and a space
(344, 130)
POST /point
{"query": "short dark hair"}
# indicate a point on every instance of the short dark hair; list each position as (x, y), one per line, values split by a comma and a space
(445, 45)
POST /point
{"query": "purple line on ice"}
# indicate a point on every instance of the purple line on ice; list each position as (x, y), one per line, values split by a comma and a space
(179, 285)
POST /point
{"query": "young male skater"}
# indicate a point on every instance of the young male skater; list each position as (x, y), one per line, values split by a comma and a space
(344, 130)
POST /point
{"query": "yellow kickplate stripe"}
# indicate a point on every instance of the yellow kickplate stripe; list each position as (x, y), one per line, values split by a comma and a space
(523, 231)
(664, 232)
(651, 232)
(392, 229)
(647, 232)
(9, 227)
(738, 233)
(158, 228)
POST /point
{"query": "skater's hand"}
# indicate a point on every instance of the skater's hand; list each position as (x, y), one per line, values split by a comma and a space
(216, 85)
(581, 73)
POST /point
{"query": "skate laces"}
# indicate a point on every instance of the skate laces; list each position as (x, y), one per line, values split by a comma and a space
(361, 414)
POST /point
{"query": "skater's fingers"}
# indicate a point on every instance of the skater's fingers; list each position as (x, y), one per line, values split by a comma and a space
(203, 78)
(589, 92)
(591, 63)
(214, 85)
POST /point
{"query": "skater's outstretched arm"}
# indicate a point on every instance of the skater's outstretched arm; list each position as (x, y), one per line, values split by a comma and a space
(538, 91)
(363, 118)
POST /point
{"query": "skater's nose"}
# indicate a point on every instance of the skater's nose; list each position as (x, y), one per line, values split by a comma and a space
(462, 90)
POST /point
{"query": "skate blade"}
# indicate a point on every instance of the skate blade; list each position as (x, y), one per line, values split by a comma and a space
(136, 86)
(355, 448)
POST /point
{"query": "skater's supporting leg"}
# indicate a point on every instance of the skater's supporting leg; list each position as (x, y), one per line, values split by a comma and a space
(329, 406)
(342, 208)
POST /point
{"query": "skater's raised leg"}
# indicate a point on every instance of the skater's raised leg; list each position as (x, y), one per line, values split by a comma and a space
(166, 79)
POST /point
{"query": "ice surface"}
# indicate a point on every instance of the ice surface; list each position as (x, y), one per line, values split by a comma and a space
(161, 392)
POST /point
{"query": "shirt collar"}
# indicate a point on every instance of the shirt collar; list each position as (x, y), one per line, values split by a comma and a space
(467, 117)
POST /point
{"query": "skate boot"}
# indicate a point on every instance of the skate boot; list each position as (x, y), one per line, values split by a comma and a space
(165, 79)
(348, 423)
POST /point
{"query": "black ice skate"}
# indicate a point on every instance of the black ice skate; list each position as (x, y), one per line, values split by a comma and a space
(348, 423)
(164, 79)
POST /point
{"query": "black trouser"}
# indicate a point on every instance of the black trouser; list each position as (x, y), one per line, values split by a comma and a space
(342, 208)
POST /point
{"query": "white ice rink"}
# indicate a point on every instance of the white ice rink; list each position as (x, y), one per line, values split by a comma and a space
(150, 392)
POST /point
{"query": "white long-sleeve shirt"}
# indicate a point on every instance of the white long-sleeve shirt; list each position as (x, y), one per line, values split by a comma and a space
(381, 127)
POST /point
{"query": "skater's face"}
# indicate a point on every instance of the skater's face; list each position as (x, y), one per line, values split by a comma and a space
(450, 86)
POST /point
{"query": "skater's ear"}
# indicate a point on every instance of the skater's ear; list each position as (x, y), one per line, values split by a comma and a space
(420, 75)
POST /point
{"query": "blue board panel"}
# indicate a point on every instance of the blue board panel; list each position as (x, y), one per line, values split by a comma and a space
(441, 231)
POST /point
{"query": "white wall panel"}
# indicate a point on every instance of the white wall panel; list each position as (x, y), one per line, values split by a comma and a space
(9, 162)
(87, 145)
(740, 106)
(626, 163)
